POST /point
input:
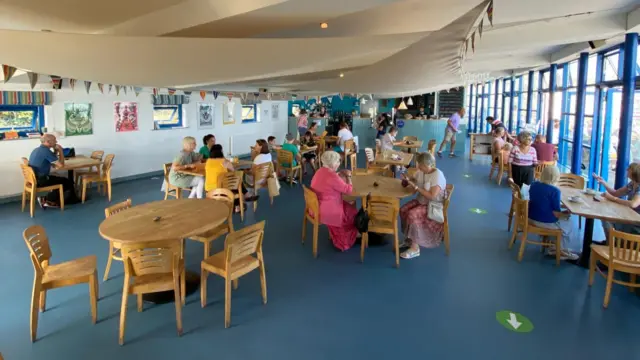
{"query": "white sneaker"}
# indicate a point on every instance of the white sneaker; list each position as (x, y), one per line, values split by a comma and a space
(410, 254)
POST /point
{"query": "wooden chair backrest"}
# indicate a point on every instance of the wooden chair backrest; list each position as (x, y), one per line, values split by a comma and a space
(371, 157)
(432, 146)
(167, 169)
(354, 161)
(25, 161)
(349, 146)
(38, 243)
(244, 242)
(285, 157)
(411, 172)
(410, 138)
(97, 155)
(324, 133)
(311, 201)
(521, 208)
(571, 180)
(624, 247)
(447, 199)
(29, 176)
(151, 258)
(540, 168)
(106, 165)
(231, 180)
(114, 209)
(261, 173)
(224, 195)
(515, 189)
(383, 208)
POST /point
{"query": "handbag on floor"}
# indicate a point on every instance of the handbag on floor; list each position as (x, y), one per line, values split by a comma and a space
(361, 220)
(436, 211)
(274, 186)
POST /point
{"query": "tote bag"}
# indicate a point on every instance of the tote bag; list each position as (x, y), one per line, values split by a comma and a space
(274, 186)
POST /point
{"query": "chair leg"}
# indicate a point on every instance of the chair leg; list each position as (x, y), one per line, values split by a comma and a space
(513, 237)
(183, 287)
(592, 268)
(24, 199)
(109, 188)
(304, 225)
(607, 291)
(491, 172)
(61, 195)
(93, 296)
(363, 245)
(632, 279)
(207, 249)
(123, 310)
(35, 300)
(166, 192)
(203, 287)
(84, 190)
(43, 300)
(32, 203)
(396, 245)
(227, 303)
(241, 203)
(178, 301)
(109, 259)
(263, 282)
(139, 302)
(255, 206)
(446, 239)
(511, 213)
(316, 227)
(523, 245)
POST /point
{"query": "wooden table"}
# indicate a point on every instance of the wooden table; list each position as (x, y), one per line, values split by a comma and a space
(363, 185)
(405, 159)
(414, 145)
(79, 162)
(305, 150)
(199, 168)
(590, 209)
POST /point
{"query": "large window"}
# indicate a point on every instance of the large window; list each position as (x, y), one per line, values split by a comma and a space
(168, 116)
(21, 117)
(248, 113)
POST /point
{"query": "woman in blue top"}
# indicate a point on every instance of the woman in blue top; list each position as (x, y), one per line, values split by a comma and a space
(545, 212)
(631, 191)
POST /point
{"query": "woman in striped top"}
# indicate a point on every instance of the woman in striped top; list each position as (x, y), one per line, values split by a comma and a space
(523, 159)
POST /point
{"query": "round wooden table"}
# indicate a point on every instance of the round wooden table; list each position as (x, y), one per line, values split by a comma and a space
(165, 220)
(363, 185)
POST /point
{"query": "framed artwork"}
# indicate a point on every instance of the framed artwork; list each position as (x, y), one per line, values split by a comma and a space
(205, 115)
(125, 116)
(275, 111)
(228, 116)
(78, 119)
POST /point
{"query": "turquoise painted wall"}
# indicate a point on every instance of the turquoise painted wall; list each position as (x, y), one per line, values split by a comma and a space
(347, 104)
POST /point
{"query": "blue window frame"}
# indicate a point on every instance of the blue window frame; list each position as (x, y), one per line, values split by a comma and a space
(21, 117)
(249, 113)
(168, 116)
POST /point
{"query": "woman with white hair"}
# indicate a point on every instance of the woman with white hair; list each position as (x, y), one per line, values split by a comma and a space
(337, 214)
(429, 184)
(184, 161)
(545, 212)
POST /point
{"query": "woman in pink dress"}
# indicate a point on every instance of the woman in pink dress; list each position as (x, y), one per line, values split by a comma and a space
(337, 214)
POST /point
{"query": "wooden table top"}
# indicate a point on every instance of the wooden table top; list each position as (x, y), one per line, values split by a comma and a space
(79, 162)
(404, 161)
(179, 219)
(413, 145)
(387, 186)
(199, 169)
(304, 150)
(602, 210)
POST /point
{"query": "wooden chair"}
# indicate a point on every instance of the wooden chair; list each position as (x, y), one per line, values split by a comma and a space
(115, 252)
(522, 224)
(285, 163)
(311, 206)
(94, 170)
(31, 187)
(349, 148)
(236, 260)
(410, 138)
(622, 254)
(383, 219)
(445, 209)
(25, 161)
(540, 167)
(222, 195)
(495, 163)
(370, 164)
(324, 134)
(354, 161)
(572, 181)
(515, 194)
(233, 181)
(261, 174)
(48, 276)
(150, 268)
(501, 167)
(169, 189)
(101, 179)
(431, 147)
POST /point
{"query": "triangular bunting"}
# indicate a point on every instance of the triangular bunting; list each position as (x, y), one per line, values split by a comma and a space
(87, 86)
(137, 90)
(72, 84)
(230, 96)
(215, 94)
(171, 91)
(155, 91)
(117, 89)
(109, 89)
(256, 95)
(268, 96)
(330, 99)
(188, 93)
(341, 95)
(473, 42)
(33, 79)
(203, 94)
(306, 98)
(243, 96)
(57, 82)
(490, 13)
(125, 89)
(480, 28)
(8, 72)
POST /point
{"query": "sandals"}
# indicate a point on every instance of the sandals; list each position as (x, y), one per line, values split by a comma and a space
(410, 253)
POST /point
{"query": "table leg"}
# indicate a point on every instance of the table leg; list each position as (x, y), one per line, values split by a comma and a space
(192, 283)
(586, 244)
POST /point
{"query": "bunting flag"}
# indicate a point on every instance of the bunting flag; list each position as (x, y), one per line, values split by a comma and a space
(72, 84)
(137, 90)
(215, 94)
(109, 89)
(473, 42)
(318, 99)
(480, 28)
(283, 96)
(330, 99)
(230, 96)
(188, 93)
(33, 79)
(203, 94)
(155, 91)
(117, 89)
(294, 97)
(87, 86)
(8, 72)
(268, 96)
(171, 91)
(490, 13)
(256, 95)
(101, 87)
(125, 89)
(57, 82)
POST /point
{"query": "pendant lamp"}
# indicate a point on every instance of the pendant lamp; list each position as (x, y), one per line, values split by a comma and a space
(410, 101)
(402, 105)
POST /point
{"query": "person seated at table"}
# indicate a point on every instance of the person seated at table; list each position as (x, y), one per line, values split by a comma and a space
(289, 145)
(271, 140)
(523, 159)
(215, 166)
(263, 156)
(337, 214)
(545, 212)
(631, 191)
(498, 140)
(50, 154)
(429, 184)
(309, 157)
(389, 139)
(186, 160)
(313, 128)
(344, 134)
(497, 124)
(545, 152)
(208, 140)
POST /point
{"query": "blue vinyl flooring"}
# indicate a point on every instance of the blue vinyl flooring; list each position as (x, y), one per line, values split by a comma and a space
(333, 307)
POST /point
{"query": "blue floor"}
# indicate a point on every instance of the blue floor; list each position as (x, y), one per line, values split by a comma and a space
(333, 307)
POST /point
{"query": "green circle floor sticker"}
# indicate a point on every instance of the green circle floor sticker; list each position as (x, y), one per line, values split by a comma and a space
(514, 321)
(478, 211)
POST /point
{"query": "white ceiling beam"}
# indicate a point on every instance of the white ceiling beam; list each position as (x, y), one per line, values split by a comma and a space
(633, 20)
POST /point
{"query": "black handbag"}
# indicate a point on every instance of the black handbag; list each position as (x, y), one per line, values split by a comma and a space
(362, 219)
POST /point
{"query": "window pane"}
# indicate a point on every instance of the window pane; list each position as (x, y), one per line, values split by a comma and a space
(557, 105)
(166, 115)
(248, 113)
(591, 69)
(586, 156)
(559, 77)
(507, 107)
(10, 119)
(534, 102)
(500, 86)
(635, 131)
(525, 82)
(611, 67)
(545, 80)
(589, 100)
(535, 81)
(507, 86)
(573, 73)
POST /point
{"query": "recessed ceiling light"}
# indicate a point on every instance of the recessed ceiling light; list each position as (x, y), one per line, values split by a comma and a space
(341, 75)
(324, 25)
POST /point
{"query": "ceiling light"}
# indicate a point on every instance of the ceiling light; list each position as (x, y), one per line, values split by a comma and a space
(324, 25)
(341, 75)
(402, 105)
(410, 101)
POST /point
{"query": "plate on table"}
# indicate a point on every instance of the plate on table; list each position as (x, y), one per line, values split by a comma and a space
(589, 192)
(575, 199)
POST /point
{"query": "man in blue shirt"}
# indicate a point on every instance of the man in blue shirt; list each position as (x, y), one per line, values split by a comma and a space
(41, 160)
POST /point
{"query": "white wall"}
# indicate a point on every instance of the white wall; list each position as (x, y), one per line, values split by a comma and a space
(141, 151)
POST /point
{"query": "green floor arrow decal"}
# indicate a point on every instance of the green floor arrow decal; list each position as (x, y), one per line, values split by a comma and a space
(514, 321)
(478, 211)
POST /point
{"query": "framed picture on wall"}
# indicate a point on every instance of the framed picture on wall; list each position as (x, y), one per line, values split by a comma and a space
(205, 115)
(125, 116)
(227, 114)
(275, 111)
(78, 119)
